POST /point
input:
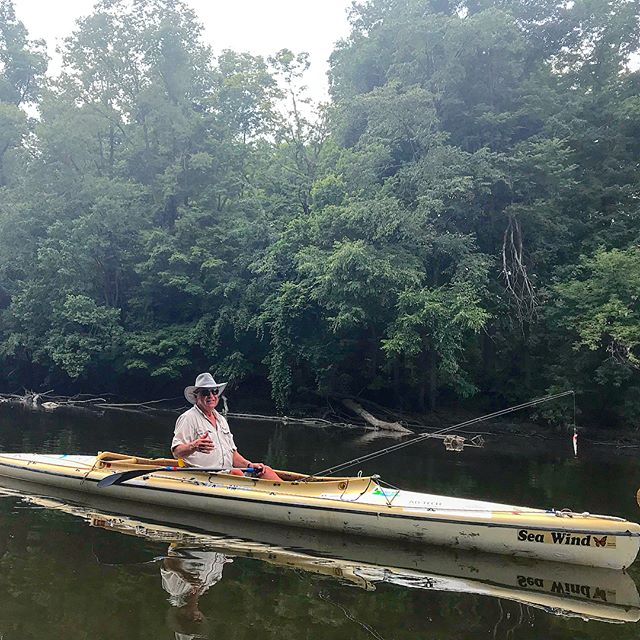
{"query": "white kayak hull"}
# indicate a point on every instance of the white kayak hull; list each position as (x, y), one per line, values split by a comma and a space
(356, 506)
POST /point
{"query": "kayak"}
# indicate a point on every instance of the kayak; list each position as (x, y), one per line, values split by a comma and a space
(361, 506)
(560, 589)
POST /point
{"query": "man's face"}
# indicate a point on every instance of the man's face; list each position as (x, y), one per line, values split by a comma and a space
(207, 399)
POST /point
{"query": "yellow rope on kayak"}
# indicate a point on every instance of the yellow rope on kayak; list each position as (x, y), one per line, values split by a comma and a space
(93, 466)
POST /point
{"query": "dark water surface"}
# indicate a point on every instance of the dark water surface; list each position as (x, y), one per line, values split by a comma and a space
(67, 573)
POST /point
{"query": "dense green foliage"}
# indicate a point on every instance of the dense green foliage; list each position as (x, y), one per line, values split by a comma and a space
(461, 219)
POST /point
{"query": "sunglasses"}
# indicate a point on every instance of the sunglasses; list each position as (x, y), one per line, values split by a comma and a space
(205, 392)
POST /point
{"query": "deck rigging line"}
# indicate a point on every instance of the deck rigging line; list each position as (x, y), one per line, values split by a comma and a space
(426, 436)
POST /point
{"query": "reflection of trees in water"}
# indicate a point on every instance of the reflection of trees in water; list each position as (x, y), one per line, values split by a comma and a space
(82, 431)
(65, 441)
(52, 586)
(45, 432)
(7, 526)
(585, 482)
(277, 455)
(511, 621)
(14, 530)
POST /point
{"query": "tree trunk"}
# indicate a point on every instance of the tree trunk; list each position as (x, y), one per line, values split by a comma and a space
(433, 380)
(488, 356)
(396, 382)
(372, 420)
(526, 357)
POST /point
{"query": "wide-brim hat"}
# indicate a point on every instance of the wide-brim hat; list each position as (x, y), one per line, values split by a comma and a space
(203, 381)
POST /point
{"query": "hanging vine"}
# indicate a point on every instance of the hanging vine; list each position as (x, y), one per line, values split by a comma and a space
(514, 272)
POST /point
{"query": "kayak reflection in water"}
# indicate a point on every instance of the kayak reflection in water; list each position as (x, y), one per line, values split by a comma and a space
(186, 575)
(202, 437)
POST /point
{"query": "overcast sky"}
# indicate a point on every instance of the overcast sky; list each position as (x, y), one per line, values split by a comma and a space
(257, 26)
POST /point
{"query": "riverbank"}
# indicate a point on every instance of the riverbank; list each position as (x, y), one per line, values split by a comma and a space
(333, 414)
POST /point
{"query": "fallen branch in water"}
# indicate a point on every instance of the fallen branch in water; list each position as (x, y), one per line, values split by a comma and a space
(372, 420)
(50, 402)
(311, 422)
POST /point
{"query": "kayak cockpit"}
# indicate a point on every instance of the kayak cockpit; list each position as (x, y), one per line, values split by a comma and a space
(291, 481)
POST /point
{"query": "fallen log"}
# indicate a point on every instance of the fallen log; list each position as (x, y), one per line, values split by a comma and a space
(372, 420)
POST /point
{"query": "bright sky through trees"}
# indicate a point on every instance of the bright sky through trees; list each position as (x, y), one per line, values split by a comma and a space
(260, 27)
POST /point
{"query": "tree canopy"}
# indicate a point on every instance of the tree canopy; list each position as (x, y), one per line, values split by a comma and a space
(460, 220)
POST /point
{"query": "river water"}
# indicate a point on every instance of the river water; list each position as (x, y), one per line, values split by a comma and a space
(70, 570)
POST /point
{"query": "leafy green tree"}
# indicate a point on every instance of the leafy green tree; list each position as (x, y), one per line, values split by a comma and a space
(593, 322)
(22, 66)
(600, 304)
(424, 232)
(433, 329)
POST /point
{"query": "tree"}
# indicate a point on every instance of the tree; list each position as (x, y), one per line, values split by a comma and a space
(600, 305)
(22, 66)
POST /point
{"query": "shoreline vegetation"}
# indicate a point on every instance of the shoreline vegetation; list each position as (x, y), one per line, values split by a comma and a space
(350, 414)
(457, 227)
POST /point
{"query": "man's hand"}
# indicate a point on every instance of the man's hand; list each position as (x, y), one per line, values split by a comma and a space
(258, 468)
(203, 444)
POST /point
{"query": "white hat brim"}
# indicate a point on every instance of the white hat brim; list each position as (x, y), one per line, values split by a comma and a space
(189, 392)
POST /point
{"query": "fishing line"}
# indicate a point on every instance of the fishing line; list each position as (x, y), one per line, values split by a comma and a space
(426, 436)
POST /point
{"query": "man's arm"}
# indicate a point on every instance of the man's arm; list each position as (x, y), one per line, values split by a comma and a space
(239, 461)
(265, 472)
(183, 450)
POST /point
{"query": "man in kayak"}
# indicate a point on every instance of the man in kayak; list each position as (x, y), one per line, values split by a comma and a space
(202, 437)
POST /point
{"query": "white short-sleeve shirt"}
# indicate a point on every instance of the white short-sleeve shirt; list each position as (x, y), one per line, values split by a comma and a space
(191, 425)
(204, 566)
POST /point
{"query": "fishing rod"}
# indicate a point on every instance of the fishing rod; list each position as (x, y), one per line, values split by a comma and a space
(426, 436)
